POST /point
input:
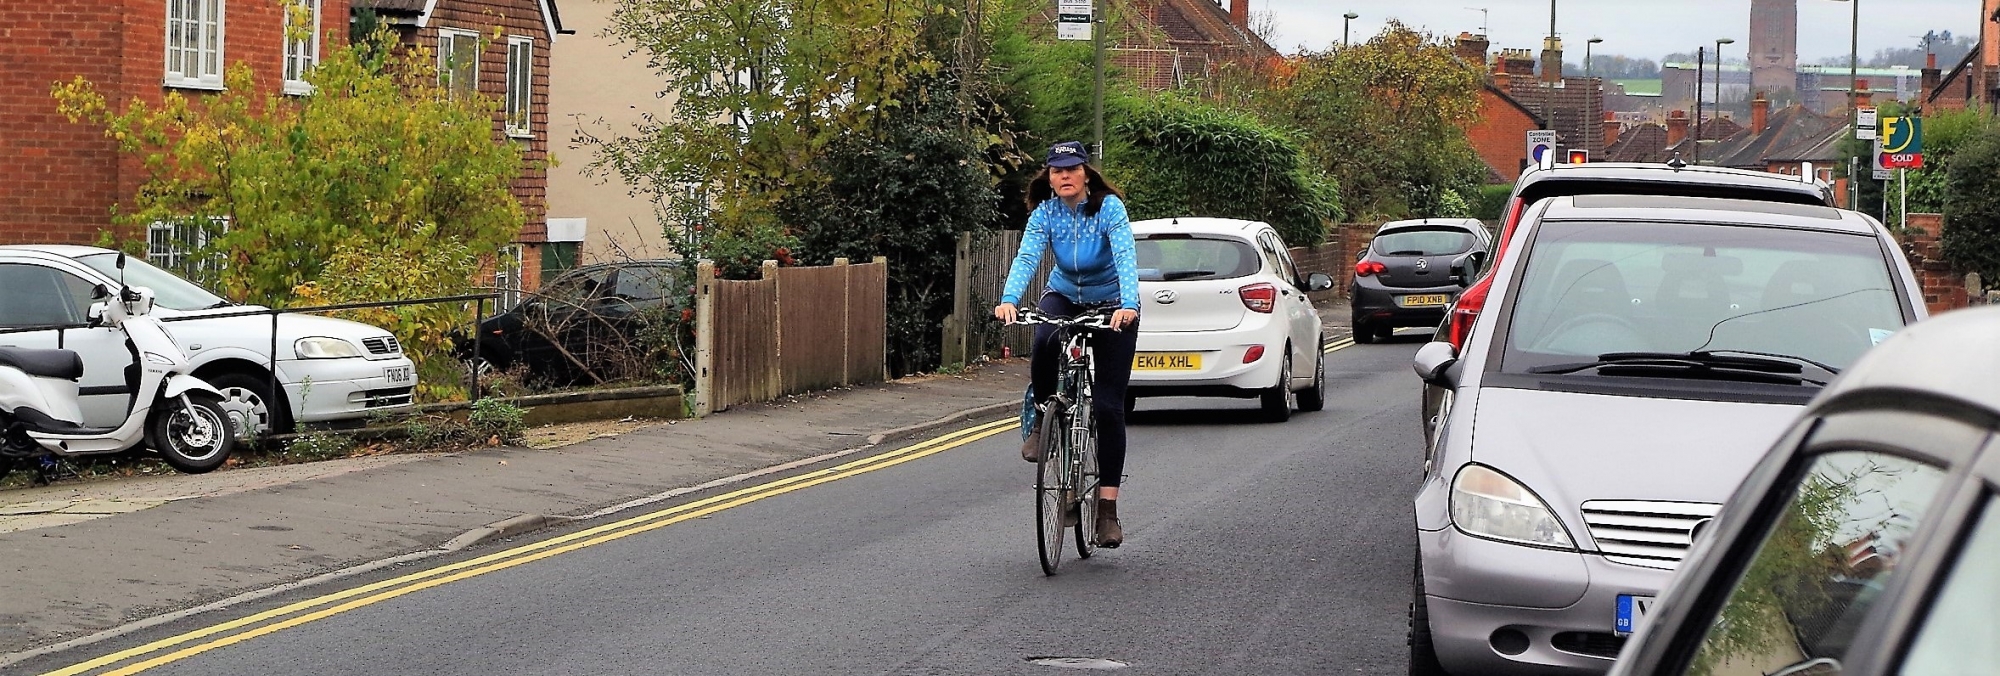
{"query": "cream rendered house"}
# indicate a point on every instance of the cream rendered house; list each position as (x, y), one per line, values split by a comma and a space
(603, 92)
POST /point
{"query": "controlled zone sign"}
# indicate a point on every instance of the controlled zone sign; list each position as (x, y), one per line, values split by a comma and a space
(1541, 142)
(1902, 143)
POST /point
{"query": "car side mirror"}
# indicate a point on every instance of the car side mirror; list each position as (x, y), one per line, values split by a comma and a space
(1319, 281)
(1467, 267)
(1363, 253)
(1433, 359)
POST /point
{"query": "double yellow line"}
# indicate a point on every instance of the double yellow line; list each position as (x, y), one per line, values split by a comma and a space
(1338, 345)
(279, 619)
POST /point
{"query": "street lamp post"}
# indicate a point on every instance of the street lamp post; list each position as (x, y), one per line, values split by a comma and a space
(1853, 100)
(1700, 71)
(1718, 77)
(1591, 129)
(1549, 80)
(1344, 20)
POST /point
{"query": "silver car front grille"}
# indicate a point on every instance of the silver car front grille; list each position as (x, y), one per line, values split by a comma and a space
(382, 345)
(1644, 533)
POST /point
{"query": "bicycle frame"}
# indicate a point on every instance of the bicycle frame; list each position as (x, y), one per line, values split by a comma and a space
(1072, 448)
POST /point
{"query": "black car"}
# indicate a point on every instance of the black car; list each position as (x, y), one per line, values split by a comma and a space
(1412, 270)
(588, 321)
(1866, 542)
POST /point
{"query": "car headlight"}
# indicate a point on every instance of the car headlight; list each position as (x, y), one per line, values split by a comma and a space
(325, 348)
(1489, 504)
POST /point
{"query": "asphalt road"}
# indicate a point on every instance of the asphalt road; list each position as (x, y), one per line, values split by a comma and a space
(1252, 548)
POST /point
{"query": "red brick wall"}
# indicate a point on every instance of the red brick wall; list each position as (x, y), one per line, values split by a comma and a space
(517, 18)
(1501, 135)
(1943, 287)
(63, 179)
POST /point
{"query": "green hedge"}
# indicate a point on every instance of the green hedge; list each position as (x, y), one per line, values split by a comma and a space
(1176, 157)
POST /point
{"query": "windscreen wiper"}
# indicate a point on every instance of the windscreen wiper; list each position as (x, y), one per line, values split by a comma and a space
(1749, 367)
(1185, 274)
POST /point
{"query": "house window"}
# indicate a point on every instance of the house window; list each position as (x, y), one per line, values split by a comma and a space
(174, 245)
(507, 276)
(194, 44)
(301, 44)
(520, 89)
(458, 61)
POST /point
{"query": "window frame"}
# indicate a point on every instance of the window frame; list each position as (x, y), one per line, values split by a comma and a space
(507, 280)
(520, 103)
(448, 39)
(1910, 427)
(206, 75)
(309, 49)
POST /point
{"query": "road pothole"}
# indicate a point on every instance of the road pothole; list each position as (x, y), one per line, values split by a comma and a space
(1078, 662)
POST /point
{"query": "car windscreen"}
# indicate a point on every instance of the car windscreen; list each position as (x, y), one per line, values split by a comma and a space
(1178, 257)
(1422, 242)
(1593, 289)
(169, 290)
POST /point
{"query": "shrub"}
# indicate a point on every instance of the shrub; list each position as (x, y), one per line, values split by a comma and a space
(1971, 237)
(1177, 157)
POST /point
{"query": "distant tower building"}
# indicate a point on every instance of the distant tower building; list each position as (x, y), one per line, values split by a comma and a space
(1774, 45)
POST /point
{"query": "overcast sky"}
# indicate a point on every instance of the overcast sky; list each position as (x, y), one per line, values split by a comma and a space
(1634, 28)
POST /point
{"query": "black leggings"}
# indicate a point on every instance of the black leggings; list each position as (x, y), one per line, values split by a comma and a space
(1113, 350)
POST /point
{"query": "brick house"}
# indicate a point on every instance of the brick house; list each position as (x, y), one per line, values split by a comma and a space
(1167, 44)
(1500, 135)
(1976, 79)
(513, 67)
(63, 178)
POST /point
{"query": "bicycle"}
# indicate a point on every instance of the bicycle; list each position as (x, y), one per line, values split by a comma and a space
(1066, 478)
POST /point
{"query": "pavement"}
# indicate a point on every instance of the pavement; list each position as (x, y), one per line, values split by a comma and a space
(89, 556)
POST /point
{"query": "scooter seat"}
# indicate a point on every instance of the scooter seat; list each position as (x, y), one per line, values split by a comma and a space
(63, 364)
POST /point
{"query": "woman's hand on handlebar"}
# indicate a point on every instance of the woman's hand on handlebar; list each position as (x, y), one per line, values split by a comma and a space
(1122, 318)
(1006, 313)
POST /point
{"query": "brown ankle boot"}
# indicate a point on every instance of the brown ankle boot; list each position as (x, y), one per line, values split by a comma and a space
(1031, 449)
(1109, 533)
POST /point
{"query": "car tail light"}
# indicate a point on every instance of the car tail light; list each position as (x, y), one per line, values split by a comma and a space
(1259, 297)
(1253, 354)
(1458, 323)
(1366, 268)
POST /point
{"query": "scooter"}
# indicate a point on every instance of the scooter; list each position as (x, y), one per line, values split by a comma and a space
(170, 411)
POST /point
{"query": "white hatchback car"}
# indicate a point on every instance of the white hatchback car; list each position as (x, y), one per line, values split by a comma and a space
(1224, 313)
(328, 369)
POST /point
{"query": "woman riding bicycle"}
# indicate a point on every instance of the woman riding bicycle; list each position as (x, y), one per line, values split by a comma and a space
(1085, 226)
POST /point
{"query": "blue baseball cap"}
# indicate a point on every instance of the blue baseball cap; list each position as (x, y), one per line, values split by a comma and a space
(1068, 154)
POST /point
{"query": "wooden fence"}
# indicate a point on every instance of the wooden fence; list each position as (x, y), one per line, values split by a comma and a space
(794, 330)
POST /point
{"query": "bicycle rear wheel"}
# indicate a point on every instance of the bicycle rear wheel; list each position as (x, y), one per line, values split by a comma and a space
(1050, 475)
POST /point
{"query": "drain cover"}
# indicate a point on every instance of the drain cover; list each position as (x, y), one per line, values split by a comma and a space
(1078, 662)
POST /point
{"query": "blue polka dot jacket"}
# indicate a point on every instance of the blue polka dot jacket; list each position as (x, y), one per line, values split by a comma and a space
(1095, 264)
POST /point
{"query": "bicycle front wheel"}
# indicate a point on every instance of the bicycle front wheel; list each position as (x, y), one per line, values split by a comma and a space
(1084, 464)
(1050, 502)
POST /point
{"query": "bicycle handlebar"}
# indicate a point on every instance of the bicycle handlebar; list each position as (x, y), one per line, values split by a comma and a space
(1094, 319)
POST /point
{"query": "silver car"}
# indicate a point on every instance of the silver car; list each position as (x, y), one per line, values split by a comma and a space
(1637, 362)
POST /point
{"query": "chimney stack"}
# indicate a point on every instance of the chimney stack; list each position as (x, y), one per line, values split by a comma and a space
(1517, 62)
(1472, 48)
(1552, 59)
(1501, 80)
(1862, 95)
(1932, 77)
(1239, 13)
(1677, 127)
(1760, 113)
(1611, 129)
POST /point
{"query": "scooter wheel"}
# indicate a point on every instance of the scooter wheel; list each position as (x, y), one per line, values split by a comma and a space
(194, 439)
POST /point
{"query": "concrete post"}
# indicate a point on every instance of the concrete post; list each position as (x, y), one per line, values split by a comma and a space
(704, 338)
(884, 291)
(846, 320)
